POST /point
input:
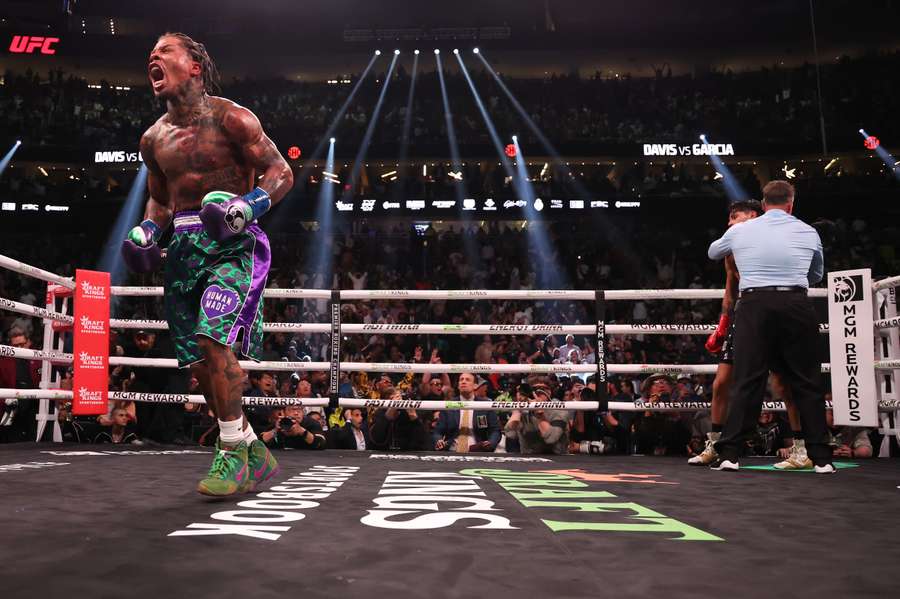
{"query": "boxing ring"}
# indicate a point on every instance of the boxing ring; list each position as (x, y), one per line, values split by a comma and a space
(92, 518)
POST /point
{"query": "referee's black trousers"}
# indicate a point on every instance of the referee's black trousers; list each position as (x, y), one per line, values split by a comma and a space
(778, 331)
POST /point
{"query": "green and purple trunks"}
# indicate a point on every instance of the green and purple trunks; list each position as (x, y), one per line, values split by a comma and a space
(215, 288)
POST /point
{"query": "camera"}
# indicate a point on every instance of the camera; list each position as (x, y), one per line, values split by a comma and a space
(286, 424)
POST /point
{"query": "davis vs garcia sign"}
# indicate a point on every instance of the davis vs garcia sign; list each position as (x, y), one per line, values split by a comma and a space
(688, 150)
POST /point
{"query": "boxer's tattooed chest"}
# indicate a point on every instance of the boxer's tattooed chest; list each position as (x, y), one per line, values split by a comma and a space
(200, 158)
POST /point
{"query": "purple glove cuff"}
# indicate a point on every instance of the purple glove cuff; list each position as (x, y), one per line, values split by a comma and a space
(141, 259)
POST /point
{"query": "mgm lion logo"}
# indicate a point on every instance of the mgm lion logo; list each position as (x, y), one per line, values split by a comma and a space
(848, 289)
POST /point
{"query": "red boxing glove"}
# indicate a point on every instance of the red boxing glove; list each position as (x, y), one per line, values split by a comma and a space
(715, 341)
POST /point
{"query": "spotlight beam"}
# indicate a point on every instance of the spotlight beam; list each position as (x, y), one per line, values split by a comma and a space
(277, 221)
(111, 257)
(470, 248)
(733, 188)
(407, 126)
(612, 233)
(8, 157)
(350, 188)
(339, 115)
(459, 187)
(552, 277)
(319, 260)
(492, 131)
(889, 161)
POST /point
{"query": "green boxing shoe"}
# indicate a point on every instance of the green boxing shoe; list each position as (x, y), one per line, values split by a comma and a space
(262, 465)
(228, 474)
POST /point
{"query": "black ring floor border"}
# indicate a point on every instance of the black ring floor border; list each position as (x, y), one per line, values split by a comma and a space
(97, 520)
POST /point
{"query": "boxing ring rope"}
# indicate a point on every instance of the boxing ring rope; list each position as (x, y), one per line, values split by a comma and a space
(472, 294)
(29, 310)
(466, 329)
(886, 283)
(268, 293)
(638, 405)
(393, 367)
(63, 358)
(335, 365)
(35, 272)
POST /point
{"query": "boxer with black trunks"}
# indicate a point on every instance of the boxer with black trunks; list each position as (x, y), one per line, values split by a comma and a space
(204, 156)
(721, 342)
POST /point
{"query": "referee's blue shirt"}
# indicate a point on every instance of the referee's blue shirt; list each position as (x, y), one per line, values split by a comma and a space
(774, 249)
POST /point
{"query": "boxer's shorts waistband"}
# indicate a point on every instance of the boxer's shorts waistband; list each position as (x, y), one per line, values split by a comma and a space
(188, 220)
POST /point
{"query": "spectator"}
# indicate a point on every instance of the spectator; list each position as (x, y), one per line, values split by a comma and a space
(354, 434)
(570, 353)
(772, 436)
(263, 384)
(17, 417)
(260, 383)
(395, 429)
(591, 431)
(848, 441)
(161, 422)
(538, 431)
(120, 432)
(305, 391)
(656, 432)
(291, 429)
(463, 431)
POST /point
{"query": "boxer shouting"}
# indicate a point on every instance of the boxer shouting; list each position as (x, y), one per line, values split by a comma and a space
(204, 156)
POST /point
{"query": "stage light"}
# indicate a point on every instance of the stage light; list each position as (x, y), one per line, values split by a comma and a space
(703, 137)
(396, 51)
(377, 52)
(475, 50)
(4, 162)
(515, 138)
(332, 140)
(416, 52)
(874, 144)
(436, 51)
(456, 50)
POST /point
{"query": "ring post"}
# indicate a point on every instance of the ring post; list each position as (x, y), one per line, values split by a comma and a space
(600, 353)
(335, 371)
(888, 348)
(45, 414)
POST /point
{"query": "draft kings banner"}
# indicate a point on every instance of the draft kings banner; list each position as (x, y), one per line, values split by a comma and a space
(91, 343)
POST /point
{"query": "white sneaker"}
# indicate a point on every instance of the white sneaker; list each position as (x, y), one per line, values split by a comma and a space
(826, 469)
(726, 465)
(708, 455)
(797, 460)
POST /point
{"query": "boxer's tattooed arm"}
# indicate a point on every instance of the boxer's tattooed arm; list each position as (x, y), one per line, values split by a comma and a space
(244, 129)
(159, 208)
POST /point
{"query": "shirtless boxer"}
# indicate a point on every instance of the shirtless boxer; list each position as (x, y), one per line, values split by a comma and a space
(212, 166)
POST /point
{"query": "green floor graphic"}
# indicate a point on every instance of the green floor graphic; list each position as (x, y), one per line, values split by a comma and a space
(838, 465)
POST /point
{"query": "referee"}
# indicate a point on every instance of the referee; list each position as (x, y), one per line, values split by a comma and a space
(776, 327)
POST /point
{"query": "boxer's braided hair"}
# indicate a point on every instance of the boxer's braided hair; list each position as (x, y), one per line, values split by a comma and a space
(198, 52)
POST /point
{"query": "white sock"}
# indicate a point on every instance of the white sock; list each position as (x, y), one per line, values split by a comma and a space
(230, 432)
(249, 435)
(713, 436)
(800, 443)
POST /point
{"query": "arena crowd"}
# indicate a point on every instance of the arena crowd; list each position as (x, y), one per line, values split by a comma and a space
(457, 257)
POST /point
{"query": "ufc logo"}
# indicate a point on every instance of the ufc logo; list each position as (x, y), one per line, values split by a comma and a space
(27, 44)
